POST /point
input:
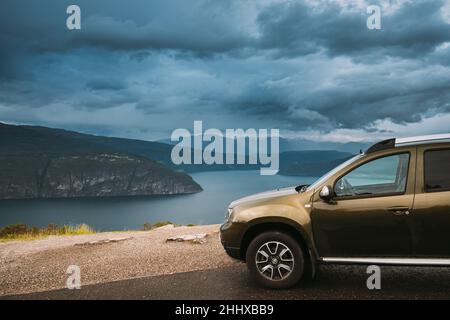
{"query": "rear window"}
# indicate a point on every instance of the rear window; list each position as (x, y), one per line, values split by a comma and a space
(437, 170)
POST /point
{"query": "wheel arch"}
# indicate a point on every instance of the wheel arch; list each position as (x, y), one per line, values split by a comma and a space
(286, 225)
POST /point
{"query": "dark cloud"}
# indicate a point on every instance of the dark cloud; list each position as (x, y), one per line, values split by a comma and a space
(403, 92)
(139, 56)
(204, 27)
(294, 29)
(106, 84)
(201, 27)
(207, 37)
(151, 66)
(349, 108)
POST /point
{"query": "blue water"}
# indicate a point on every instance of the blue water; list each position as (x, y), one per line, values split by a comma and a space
(206, 207)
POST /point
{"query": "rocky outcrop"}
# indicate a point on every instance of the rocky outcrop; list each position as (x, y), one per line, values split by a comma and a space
(198, 238)
(88, 175)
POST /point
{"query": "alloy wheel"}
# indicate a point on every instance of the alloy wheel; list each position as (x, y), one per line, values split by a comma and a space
(274, 260)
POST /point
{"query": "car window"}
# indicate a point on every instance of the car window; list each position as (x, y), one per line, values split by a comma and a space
(326, 176)
(437, 170)
(385, 175)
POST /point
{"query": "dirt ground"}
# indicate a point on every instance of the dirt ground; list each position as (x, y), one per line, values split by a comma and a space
(41, 265)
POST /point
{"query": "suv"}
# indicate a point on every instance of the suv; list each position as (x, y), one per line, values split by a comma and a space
(389, 205)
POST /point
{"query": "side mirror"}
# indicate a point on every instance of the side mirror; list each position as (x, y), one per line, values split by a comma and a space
(326, 194)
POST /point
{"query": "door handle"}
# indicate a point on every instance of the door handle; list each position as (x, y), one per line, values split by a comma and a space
(398, 211)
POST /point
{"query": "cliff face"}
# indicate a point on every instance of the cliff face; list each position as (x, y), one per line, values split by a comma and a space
(39, 162)
(88, 175)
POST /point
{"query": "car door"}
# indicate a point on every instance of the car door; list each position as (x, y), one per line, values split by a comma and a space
(432, 202)
(370, 214)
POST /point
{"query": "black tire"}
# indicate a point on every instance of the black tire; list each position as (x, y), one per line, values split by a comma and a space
(258, 247)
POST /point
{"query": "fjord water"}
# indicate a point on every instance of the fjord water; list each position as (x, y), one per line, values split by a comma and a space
(104, 214)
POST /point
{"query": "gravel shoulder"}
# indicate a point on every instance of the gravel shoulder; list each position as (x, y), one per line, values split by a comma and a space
(40, 265)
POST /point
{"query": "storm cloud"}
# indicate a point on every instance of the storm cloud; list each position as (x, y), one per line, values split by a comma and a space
(295, 29)
(144, 68)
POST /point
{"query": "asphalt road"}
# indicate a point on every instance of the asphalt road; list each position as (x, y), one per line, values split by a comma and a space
(331, 282)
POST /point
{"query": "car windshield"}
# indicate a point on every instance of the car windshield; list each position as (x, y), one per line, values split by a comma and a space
(332, 172)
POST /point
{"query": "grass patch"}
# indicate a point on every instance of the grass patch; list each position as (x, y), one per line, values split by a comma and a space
(23, 232)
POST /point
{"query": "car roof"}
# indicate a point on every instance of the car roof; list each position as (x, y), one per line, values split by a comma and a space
(402, 142)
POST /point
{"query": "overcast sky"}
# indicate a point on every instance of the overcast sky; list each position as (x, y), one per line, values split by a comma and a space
(142, 68)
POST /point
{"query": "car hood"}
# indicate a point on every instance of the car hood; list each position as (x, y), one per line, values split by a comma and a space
(264, 196)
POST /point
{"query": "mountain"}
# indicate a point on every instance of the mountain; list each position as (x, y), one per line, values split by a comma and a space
(44, 162)
(307, 163)
(291, 144)
(316, 158)
(39, 162)
(35, 139)
(302, 144)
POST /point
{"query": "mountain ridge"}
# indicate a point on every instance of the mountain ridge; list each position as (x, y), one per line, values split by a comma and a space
(40, 162)
(29, 153)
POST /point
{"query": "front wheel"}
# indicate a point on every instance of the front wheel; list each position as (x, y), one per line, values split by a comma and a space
(275, 260)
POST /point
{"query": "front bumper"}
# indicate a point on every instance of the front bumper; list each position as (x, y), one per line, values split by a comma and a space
(234, 253)
(231, 235)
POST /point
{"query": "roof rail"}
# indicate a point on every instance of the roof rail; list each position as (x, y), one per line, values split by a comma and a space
(421, 139)
(402, 142)
(382, 145)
